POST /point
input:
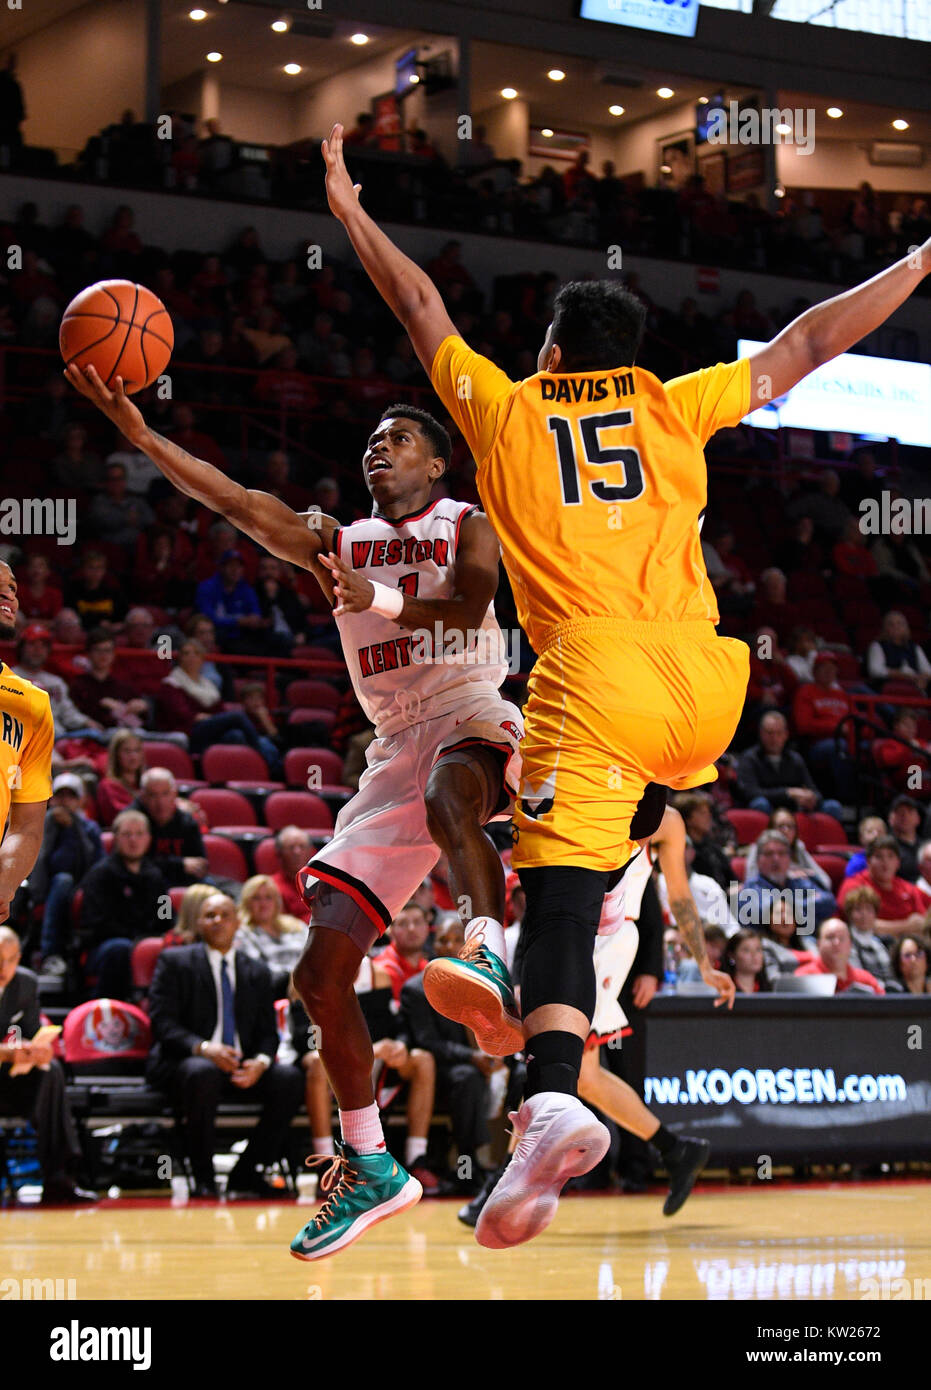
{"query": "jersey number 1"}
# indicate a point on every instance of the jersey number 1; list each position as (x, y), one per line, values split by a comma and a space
(597, 456)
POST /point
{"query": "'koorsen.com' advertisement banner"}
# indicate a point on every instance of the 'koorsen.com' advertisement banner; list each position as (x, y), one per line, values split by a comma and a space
(831, 1078)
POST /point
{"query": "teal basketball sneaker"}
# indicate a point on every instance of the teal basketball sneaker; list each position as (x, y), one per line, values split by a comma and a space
(474, 988)
(363, 1189)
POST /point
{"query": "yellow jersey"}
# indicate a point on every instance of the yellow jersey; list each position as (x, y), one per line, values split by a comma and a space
(27, 735)
(595, 482)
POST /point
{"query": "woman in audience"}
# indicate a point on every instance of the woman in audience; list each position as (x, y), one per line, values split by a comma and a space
(184, 931)
(125, 764)
(800, 861)
(783, 949)
(745, 962)
(910, 956)
(201, 628)
(267, 932)
(188, 701)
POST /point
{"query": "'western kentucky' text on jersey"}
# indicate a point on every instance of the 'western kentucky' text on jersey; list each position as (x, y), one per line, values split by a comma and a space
(400, 675)
(595, 483)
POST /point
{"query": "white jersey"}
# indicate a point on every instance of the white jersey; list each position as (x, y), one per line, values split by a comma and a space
(402, 676)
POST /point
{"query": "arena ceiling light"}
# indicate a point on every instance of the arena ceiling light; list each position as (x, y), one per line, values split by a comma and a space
(615, 110)
(546, 133)
(359, 39)
(665, 93)
(900, 124)
(703, 101)
(214, 57)
(835, 113)
(783, 128)
(281, 26)
(556, 74)
(292, 69)
(509, 93)
(198, 14)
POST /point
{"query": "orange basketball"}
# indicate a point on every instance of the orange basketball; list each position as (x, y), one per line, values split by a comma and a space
(120, 328)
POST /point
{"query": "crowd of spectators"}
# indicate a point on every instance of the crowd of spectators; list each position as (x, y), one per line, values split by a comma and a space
(144, 633)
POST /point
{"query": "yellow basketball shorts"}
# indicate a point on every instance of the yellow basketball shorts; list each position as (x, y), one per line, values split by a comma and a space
(613, 705)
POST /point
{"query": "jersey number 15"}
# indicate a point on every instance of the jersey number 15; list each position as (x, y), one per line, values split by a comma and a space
(597, 456)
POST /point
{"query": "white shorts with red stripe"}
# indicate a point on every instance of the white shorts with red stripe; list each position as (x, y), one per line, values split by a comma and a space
(614, 956)
(381, 850)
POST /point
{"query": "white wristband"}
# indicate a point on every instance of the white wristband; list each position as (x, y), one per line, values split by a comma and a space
(387, 603)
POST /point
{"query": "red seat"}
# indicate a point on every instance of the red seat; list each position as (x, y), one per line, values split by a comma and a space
(144, 959)
(817, 828)
(177, 760)
(266, 857)
(106, 1030)
(806, 584)
(323, 718)
(304, 809)
(848, 666)
(897, 686)
(850, 586)
(326, 765)
(739, 867)
(232, 762)
(748, 825)
(314, 693)
(225, 859)
(834, 866)
(177, 898)
(223, 807)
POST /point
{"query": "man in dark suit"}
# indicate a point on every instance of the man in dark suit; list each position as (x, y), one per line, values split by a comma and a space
(462, 1070)
(213, 1018)
(37, 1095)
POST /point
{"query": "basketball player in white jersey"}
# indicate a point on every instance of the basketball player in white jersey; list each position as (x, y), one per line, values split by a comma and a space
(413, 585)
(615, 949)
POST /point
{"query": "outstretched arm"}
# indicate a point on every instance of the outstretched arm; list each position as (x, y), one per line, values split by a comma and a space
(260, 515)
(406, 289)
(828, 329)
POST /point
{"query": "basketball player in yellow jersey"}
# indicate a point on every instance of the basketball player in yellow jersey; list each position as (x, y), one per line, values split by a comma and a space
(593, 476)
(27, 736)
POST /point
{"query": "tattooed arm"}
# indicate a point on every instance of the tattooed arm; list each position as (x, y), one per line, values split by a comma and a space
(669, 843)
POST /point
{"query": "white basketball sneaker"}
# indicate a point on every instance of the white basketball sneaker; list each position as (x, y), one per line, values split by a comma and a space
(558, 1139)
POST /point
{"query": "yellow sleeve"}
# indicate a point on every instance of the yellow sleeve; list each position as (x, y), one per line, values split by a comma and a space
(713, 398)
(35, 764)
(473, 390)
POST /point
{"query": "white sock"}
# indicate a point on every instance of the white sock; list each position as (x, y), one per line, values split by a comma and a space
(414, 1148)
(362, 1129)
(493, 934)
(324, 1144)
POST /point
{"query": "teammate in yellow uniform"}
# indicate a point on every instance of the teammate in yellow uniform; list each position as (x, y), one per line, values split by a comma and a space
(27, 736)
(592, 474)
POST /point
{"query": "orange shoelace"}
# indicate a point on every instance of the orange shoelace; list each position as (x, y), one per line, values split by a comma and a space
(473, 946)
(339, 1177)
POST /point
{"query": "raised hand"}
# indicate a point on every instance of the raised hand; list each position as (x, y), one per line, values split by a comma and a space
(115, 404)
(342, 194)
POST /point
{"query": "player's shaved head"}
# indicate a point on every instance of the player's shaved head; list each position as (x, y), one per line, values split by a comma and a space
(597, 325)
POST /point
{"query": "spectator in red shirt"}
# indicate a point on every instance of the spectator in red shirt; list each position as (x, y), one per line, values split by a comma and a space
(903, 753)
(577, 182)
(818, 708)
(403, 957)
(363, 132)
(186, 436)
(820, 705)
(902, 906)
(283, 384)
(294, 850)
(834, 959)
(107, 699)
(122, 784)
(772, 680)
(38, 598)
(851, 554)
(771, 608)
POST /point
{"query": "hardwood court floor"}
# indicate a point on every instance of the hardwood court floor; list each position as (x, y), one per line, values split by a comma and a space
(811, 1242)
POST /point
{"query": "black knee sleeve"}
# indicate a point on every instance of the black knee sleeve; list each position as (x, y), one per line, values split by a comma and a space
(558, 930)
